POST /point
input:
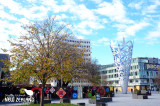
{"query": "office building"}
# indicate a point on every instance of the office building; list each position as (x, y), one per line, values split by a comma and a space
(142, 72)
(82, 44)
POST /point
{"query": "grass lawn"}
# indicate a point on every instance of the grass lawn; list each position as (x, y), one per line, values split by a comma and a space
(52, 104)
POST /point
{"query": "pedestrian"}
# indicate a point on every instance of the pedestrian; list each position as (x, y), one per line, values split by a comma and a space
(34, 96)
(158, 90)
(38, 97)
(131, 90)
(116, 90)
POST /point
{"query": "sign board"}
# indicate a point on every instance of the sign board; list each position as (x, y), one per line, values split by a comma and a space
(61, 93)
(154, 67)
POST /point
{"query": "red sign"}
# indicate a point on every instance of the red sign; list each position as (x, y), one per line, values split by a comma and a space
(101, 91)
(94, 88)
(61, 93)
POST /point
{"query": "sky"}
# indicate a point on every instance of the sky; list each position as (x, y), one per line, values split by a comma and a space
(99, 21)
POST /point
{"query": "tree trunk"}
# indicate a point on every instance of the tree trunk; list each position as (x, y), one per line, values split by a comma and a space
(42, 94)
(63, 85)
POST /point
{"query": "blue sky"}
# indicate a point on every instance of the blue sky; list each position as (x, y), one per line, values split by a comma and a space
(97, 20)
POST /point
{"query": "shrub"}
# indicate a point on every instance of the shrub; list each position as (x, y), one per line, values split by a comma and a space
(135, 91)
(93, 98)
(143, 89)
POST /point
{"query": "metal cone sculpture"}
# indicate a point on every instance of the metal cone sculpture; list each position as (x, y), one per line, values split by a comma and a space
(122, 53)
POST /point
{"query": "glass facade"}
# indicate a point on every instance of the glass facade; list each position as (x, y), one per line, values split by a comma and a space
(138, 76)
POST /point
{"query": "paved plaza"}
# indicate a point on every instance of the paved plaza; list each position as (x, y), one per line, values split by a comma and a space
(119, 100)
(125, 100)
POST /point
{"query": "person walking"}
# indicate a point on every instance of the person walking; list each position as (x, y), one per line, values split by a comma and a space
(116, 90)
(132, 91)
(38, 97)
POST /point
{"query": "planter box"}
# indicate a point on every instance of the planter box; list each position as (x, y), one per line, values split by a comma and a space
(105, 100)
(65, 100)
(102, 100)
(47, 101)
(142, 97)
(149, 93)
(92, 101)
(81, 104)
(135, 96)
(101, 104)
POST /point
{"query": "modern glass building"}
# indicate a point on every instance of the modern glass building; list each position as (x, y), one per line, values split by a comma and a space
(142, 72)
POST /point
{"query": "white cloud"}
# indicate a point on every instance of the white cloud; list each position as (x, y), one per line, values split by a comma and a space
(90, 24)
(115, 11)
(62, 16)
(131, 30)
(101, 42)
(120, 26)
(104, 39)
(136, 5)
(30, 13)
(85, 31)
(85, 27)
(151, 8)
(83, 13)
(79, 12)
(79, 37)
(5, 15)
(24, 21)
(97, 1)
(104, 20)
(154, 35)
(70, 2)
(7, 29)
(32, 1)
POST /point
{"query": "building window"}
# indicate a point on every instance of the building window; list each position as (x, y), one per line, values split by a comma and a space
(131, 74)
(135, 73)
(156, 73)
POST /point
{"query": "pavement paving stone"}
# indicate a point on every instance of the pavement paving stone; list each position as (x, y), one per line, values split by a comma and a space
(119, 100)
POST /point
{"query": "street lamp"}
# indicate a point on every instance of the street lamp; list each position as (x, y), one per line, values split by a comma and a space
(101, 78)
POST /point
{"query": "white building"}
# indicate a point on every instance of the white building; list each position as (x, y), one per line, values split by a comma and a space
(82, 44)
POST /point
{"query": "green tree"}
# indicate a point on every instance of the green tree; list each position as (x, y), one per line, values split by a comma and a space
(43, 54)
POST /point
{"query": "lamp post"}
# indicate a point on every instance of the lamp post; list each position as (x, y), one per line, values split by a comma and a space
(101, 78)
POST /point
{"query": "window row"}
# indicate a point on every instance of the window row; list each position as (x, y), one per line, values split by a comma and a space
(83, 46)
(76, 41)
(85, 50)
(87, 55)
